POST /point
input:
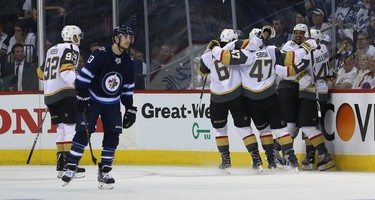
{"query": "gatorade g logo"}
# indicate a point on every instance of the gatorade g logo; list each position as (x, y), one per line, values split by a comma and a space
(196, 131)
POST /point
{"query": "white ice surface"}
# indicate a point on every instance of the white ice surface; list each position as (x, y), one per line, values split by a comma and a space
(180, 183)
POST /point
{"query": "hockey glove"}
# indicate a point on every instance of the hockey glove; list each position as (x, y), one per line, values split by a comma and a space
(212, 44)
(129, 117)
(83, 99)
(270, 30)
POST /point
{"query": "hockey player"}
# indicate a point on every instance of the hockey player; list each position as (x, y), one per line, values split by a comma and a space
(258, 81)
(313, 87)
(106, 80)
(58, 75)
(226, 97)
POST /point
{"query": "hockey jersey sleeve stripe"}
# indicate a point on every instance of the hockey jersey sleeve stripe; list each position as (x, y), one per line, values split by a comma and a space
(225, 57)
(65, 67)
(106, 100)
(87, 72)
(289, 58)
(85, 80)
(127, 93)
(128, 85)
(245, 43)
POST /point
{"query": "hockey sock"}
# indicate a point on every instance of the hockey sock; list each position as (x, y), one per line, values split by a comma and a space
(76, 153)
(267, 142)
(107, 156)
(250, 142)
(222, 143)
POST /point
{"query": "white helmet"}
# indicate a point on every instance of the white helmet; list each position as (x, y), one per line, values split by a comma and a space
(228, 35)
(315, 34)
(69, 31)
(255, 33)
(300, 27)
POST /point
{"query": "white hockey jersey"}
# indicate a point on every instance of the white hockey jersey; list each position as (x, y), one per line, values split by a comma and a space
(58, 72)
(258, 68)
(225, 79)
(317, 72)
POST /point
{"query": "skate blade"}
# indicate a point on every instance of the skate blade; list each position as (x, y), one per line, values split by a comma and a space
(104, 186)
(307, 167)
(327, 166)
(225, 171)
(60, 174)
(65, 183)
(79, 175)
(280, 166)
(291, 168)
(258, 170)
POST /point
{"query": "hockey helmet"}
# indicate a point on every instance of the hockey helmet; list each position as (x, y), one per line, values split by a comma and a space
(124, 31)
(68, 33)
(255, 33)
(228, 35)
(300, 27)
(315, 34)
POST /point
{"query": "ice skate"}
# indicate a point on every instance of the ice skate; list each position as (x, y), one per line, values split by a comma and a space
(61, 164)
(271, 159)
(325, 162)
(225, 162)
(308, 162)
(105, 179)
(257, 162)
(79, 174)
(291, 160)
(278, 159)
(69, 174)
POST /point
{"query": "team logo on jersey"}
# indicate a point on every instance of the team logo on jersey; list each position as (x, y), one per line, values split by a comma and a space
(118, 60)
(112, 82)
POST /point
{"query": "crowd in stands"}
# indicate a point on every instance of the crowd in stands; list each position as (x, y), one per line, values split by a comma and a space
(355, 27)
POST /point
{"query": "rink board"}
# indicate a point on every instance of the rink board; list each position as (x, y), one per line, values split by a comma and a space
(171, 130)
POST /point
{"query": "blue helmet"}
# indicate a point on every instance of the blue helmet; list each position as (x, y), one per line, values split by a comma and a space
(123, 31)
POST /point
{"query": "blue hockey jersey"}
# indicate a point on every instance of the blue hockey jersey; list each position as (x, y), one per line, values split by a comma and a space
(108, 77)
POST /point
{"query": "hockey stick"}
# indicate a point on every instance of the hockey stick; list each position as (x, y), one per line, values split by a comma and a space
(202, 91)
(88, 137)
(36, 138)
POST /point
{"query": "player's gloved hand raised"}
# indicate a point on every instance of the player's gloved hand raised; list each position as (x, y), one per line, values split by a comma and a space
(83, 99)
(129, 117)
(212, 44)
(268, 32)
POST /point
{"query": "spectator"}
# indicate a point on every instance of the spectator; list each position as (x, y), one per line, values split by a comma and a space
(4, 42)
(299, 18)
(281, 34)
(9, 10)
(368, 81)
(346, 75)
(29, 15)
(318, 21)
(160, 57)
(371, 30)
(140, 70)
(94, 46)
(362, 69)
(55, 12)
(22, 37)
(21, 74)
(363, 44)
(346, 13)
(362, 18)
